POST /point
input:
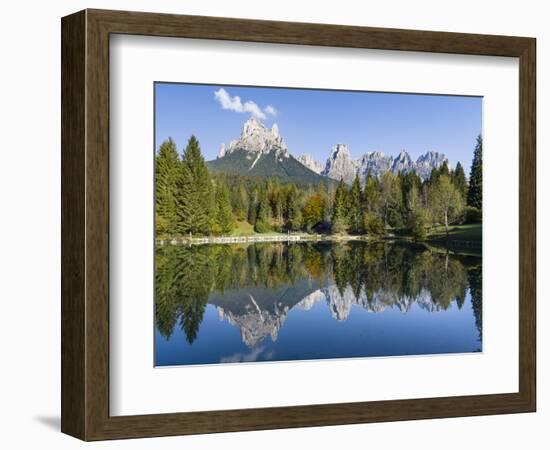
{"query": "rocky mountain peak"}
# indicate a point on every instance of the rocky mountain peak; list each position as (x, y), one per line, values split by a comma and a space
(257, 138)
(403, 163)
(428, 161)
(340, 164)
(221, 152)
(308, 161)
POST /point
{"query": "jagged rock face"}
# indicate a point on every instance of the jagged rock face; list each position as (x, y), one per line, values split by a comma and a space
(222, 151)
(257, 141)
(403, 163)
(257, 323)
(431, 160)
(256, 137)
(310, 163)
(340, 164)
(374, 162)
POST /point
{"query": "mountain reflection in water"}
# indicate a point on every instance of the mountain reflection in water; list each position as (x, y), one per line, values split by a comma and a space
(313, 300)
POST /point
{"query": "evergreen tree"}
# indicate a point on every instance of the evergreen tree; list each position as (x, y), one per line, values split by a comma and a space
(223, 209)
(434, 175)
(443, 170)
(185, 201)
(294, 213)
(264, 210)
(355, 215)
(371, 194)
(323, 196)
(252, 208)
(475, 191)
(339, 212)
(167, 166)
(459, 180)
(391, 199)
(201, 201)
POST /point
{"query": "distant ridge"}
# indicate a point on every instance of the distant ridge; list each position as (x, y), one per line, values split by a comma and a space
(262, 152)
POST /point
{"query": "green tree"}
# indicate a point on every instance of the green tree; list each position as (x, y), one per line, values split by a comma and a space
(339, 212)
(371, 194)
(167, 165)
(201, 201)
(417, 215)
(252, 208)
(294, 214)
(314, 211)
(459, 180)
(443, 169)
(355, 215)
(323, 196)
(372, 224)
(390, 199)
(446, 202)
(263, 216)
(185, 201)
(224, 217)
(475, 190)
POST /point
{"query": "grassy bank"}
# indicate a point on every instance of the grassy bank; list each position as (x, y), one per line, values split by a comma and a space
(461, 233)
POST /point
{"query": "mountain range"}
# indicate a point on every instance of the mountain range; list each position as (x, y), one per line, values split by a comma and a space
(261, 313)
(261, 151)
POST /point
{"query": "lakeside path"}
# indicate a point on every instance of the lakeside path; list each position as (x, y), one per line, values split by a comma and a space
(256, 238)
(464, 236)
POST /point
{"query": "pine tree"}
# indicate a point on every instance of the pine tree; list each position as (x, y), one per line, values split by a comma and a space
(264, 211)
(391, 199)
(459, 180)
(167, 165)
(339, 208)
(355, 216)
(202, 205)
(371, 194)
(323, 196)
(475, 191)
(294, 213)
(252, 208)
(224, 217)
(184, 201)
(443, 169)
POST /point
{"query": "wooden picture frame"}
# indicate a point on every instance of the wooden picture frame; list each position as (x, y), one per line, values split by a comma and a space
(85, 224)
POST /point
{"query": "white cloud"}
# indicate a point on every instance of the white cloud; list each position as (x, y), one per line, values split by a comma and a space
(270, 110)
(235, 104)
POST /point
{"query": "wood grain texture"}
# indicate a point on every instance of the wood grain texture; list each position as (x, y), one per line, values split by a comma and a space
(85, 224)
(73, 112)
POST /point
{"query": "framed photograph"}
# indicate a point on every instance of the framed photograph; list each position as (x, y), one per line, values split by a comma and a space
(273, 225)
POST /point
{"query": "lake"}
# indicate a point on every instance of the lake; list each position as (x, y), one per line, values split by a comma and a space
(281, 301)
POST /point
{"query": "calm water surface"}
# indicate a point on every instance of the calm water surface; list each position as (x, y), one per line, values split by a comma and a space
(277, 301)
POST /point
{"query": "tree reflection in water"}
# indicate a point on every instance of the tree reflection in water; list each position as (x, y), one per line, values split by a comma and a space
(255, 286)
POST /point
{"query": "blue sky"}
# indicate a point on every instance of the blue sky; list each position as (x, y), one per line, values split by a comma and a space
(312, 121)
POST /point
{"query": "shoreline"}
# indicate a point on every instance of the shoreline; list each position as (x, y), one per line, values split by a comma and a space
(257, 238)
(311, 238)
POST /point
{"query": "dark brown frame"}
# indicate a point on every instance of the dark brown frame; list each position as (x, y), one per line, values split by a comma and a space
(85, 224)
